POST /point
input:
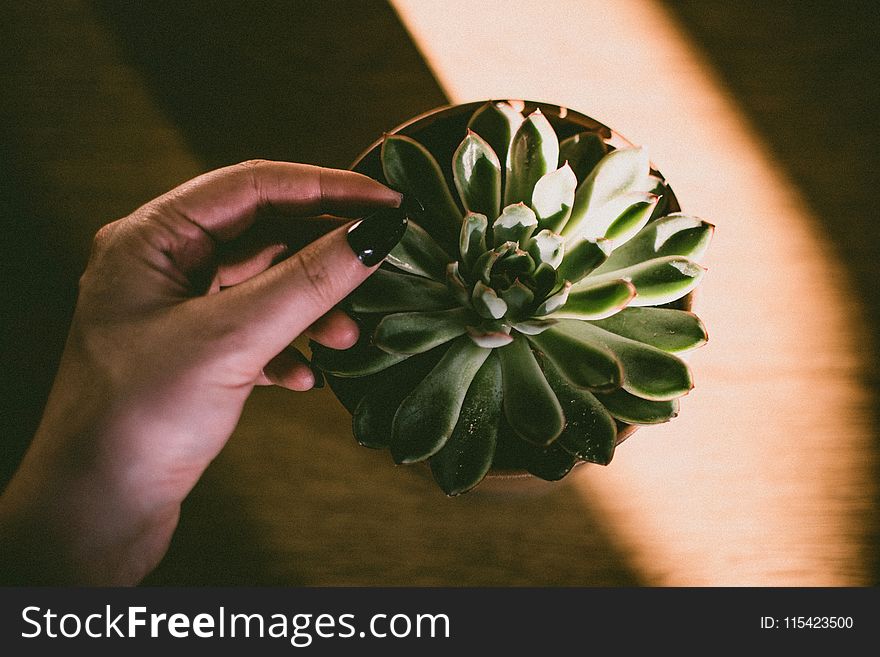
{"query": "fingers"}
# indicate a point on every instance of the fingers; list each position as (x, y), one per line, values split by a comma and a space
(270, 240)
(335, 330)
(224, 202)
(290, 369)
(270, 310)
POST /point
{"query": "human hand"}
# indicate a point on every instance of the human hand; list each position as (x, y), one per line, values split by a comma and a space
(183, 308)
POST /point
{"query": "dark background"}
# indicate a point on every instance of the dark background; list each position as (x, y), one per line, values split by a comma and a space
(107, 104)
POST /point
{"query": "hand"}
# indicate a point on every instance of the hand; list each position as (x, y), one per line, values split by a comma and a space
(184, 307)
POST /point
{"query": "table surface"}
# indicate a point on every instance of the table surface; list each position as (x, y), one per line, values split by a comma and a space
(106, 106)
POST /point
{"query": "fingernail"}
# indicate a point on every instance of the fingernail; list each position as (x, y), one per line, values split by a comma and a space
(373, 237)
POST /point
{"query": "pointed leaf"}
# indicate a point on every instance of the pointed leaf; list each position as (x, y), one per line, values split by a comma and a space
(374, 413)
(631, 221)
(518, 297)
(472, 241)
(414, 333)
(657, 281)
(496, 123)
(411, 169)
(530, 406)
(583, 152)
(547, 247)
(534, 152)
(555, 302)
(514, 263)
(553, 197)
(486, 302)
(635, 410)
(534, 326)
(667, 329)
(467, 455)
(590, 432)
(362, 359)
(516, 224)
(676, 234)
(485, 263)
(417, 253)
(477, 174)
(581, 257)
(648, 372)
(624, 211)
(457, 286)
(579, 357)
(490, 336)
(428, 415)
(387, 291)
(621, 172)
(545, 279)
(596, 301)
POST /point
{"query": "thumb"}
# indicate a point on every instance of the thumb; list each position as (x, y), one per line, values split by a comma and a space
(270, 310)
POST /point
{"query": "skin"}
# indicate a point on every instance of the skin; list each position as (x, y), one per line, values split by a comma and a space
(184, 307)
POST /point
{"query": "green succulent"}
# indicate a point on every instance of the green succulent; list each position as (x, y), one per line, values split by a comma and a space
(524, 320)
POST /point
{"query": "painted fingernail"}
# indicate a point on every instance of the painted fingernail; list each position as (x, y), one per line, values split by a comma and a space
(373, 237)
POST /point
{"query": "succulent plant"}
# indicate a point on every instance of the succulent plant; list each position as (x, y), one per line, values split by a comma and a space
(531, 312)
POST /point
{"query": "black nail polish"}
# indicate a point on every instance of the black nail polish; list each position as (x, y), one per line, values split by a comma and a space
(373, 237)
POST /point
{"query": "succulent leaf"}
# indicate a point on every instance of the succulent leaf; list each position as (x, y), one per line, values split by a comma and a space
(487, 303)
(547, 247)
(373, 415)
(534, 151)
(496, 123)
(554, 302)
(427, 416)
(477, 174)
(415, 333)
(657, 281)
(411, 169)
(390, 292)
(457, 286)
(590, 432)
(621, 172)
(467, 455)
(472, 241)
(545, 279)
(648, 372)
(516, 224)
(518, 298)
(490, 335)
(631, 220)
(580, 359)
(676, 234)
(583, 152)
(533, 326)
(530, 406)
(635, 410)
(596, 300)
(581, 257)
(667, 329)
(417, 253)
(553, 197)
(624, 211)
(362, 359)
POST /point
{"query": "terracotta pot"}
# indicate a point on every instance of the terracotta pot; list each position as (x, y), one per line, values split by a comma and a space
(440, 131)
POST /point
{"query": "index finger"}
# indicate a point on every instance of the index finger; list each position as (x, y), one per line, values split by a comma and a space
(224, 202)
